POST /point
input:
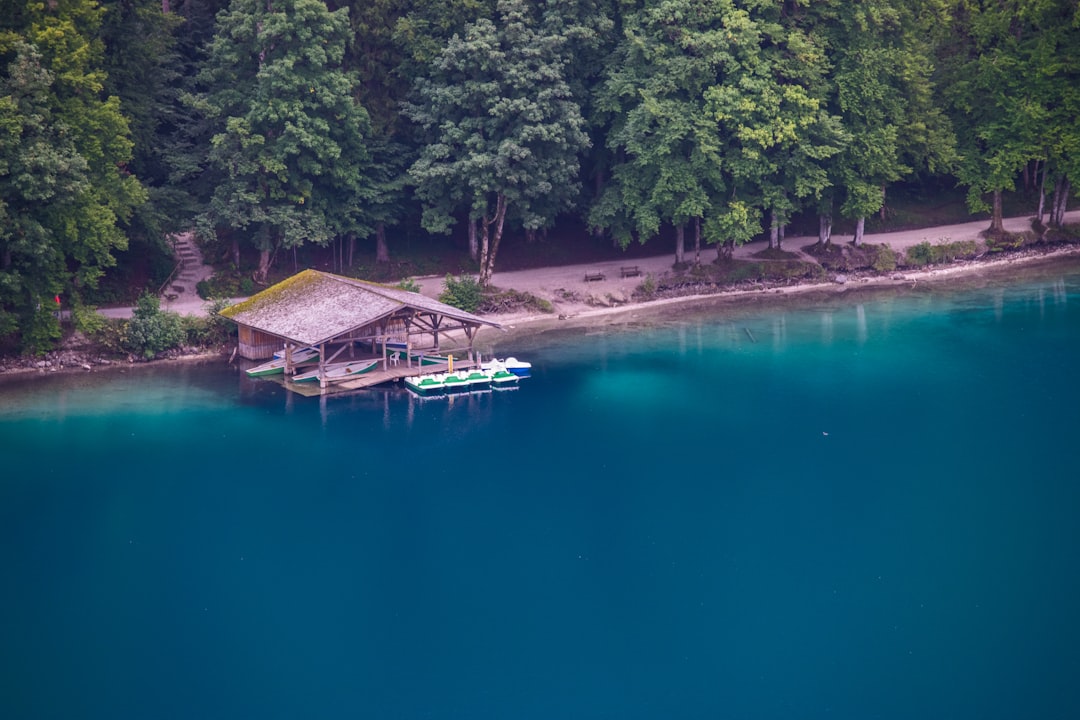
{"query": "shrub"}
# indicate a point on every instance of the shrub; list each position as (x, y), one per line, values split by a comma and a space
(883, 258)
(409, 284)
(1004, 241)
(210, 331)
(151, 331)
(224, 286)
(926, 254)
(647, 288)
(464, 293)
(42, 330)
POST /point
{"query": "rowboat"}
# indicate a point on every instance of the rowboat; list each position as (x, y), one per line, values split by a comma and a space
(277, 365)
(281, 353)
(338, 370)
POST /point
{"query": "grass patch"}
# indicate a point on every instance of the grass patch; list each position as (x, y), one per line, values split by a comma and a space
(1003, 242)
(927, 254)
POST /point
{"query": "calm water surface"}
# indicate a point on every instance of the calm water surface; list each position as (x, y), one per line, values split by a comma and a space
(857, 510)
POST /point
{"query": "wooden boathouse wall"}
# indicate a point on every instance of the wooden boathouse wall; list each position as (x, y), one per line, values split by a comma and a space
(257, 345)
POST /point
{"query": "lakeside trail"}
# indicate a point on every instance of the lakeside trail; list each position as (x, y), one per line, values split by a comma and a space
(556, 283)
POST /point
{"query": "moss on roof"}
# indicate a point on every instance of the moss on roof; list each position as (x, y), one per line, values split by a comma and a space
(312, 307)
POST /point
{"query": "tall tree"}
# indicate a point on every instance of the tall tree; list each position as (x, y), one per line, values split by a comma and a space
(290, 144)
(883, 90)
(671, 165)
(1011, 71)
(503, 129)
(777, 131)
(78, 140)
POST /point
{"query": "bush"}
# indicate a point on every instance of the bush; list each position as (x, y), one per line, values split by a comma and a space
(1004, 241)
(42, 330)
(225, 286)
(151, 331)
(409, 285)
(926, 254)
(464, 293)
(882, 258)
(647, 288)
(212, 330)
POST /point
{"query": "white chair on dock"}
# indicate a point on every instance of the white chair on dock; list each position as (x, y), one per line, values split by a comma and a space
(395, 358)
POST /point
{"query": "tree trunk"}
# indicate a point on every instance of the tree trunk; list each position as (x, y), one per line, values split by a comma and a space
(824, 229)
(997, 223)
(474, 250)
(236, 252)
(382, 252)
(724, 250)
(1042, 195)
(352, 248)
(860, 225)
(264, 265)
(680, 243)
(780, 236)
(774, 230)
(1061, 201)
(697, 241)
(490, 240)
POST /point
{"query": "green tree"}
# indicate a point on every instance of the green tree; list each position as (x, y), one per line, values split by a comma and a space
(882, 69)
(42, 179)
(1011, 72)
(778, 133)
(670, 168)
(503, 129)
(290, 144)
(67, 185)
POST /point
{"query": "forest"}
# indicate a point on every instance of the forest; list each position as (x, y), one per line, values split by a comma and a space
(271, 126)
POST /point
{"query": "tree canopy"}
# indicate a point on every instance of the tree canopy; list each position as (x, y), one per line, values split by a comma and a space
(272, 126)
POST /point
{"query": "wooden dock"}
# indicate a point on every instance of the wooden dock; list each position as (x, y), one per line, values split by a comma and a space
(360, 382)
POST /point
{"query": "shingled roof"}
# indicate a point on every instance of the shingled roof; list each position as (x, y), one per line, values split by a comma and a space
(313, 307)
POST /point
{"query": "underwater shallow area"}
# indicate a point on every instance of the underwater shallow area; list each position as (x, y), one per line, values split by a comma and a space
(856, 508)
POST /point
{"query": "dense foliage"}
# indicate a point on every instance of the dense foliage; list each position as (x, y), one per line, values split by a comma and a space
(271, 126)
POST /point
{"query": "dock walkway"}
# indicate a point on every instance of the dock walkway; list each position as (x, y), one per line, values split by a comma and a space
(367, 380)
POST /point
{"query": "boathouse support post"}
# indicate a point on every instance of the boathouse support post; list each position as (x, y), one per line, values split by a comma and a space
(470, 332)
(408, 342)
(322, 366)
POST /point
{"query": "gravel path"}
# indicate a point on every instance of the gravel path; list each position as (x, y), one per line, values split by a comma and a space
(555, 282)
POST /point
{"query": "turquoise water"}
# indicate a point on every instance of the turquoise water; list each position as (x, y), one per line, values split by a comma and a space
(862, 508)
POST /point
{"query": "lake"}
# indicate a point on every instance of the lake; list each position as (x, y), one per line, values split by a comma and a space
(864, 507)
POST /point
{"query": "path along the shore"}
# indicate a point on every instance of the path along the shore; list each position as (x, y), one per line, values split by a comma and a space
(556, 282)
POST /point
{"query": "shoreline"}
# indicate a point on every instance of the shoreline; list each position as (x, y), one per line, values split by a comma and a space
(524, 324)
(581, 315)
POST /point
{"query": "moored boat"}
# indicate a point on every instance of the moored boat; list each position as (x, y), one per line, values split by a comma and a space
(426, 384)
(501, 379)
(478, 379)
(281, 353)
(277, 365)
(510, 364)
(338, 370)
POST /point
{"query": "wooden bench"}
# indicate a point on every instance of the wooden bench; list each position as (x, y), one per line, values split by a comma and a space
(630, 271)
(590, 277)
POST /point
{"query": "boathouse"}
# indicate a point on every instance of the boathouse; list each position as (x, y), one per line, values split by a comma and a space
(333, 314)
